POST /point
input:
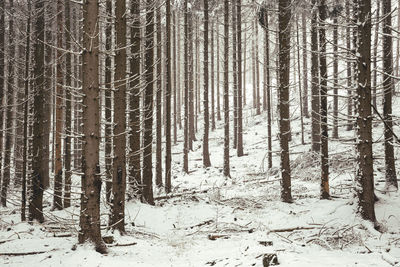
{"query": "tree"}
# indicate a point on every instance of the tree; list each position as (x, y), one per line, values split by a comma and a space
(305, 64)
(58, 171)
(315, 99)
(206, 153)
(226, 89)
(135, 179)
(335, 13)
(239, 69)
(388, 89)
(119, 141)
(168, 83)
(324, 102)
(186, 90)
(365, 171)
(234, 74)
(284, 126)
(91, 182)
(148, 106)
(159, 92)
(2, 72)
(9, 106)
(212, 77)
(39, 135)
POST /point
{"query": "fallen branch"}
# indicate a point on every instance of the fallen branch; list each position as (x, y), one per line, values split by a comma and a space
(4, 241)
(215, 237)
(180, 194)
(24, 253)
(200, 224)
(293, 229)
(123, 245)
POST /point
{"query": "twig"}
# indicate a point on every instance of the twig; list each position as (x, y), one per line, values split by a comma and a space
(24, 253)
(293, 229)
(123, 245)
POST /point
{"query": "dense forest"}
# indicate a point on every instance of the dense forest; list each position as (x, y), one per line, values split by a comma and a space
(116, 114)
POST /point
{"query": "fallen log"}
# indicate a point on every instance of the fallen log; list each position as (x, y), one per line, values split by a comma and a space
(180, 194)
(24, 253)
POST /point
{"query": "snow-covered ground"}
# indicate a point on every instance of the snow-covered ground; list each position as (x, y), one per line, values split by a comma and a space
(229, 221)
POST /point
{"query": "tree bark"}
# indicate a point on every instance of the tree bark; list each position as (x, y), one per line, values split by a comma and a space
(388, 89)
(186, 90)
(226, 89)
(239, 77)
(159, 92)
(315, 98)
(168, 83)
(284, 126)
(206, 153)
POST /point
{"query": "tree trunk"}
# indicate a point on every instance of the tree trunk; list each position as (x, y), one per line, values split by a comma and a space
(258, 109)
(324, 103)
(192, 135)
(305, 65)
(315, 98)
(148, 102)
(349, 71)
(365, 171)
(175, 84)
(226, 89)
(91, 181)
(39, 133)
(335, 130)
(2, 72)
(186, 90)
(234, 73)
(168, 156)
(218, 76)
(108, 99)
(68, 99)
(374, 58)
(212, 77)
(206, 153)
(58, 170)
(388, 89)
(159, 93)
(284, 66)
(239, 77)
(135, 179)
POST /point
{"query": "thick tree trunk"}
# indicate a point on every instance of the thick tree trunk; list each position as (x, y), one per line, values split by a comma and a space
(284, 66)
(388, 89)
(91, 181)
(39, 131)
(365, 171)
(2, 72)
(119, 137)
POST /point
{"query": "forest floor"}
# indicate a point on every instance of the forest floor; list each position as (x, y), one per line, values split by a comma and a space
(218, 221)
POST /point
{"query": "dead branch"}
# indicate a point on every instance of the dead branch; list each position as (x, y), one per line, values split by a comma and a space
(123, 245)
(24, 253)
(293, 229)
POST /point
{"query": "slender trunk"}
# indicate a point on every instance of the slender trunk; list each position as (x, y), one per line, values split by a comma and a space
(168, 157)
(305, 65)
(212, 77)
(234, 74)
(349, 71)
(206, 153)
(324, 103)
(2, 72)
(239, 76)
(175, 76)
(315, 98)
(159, 92)
(148, 102)
(58, 170)
(218, 76)
(375, 56)
(186, 90)
(226, 89)
(335, 130)
(192, 136)
(388, 88)
(284, 66)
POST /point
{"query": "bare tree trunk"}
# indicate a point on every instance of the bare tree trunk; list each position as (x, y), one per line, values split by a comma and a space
(218, 76)
(258, 110)
(315, 98)
(300, 89)
(91, 181)
(212, 77)
(58, 171)
(388, 88)
(305, 64)
(135, 179)
(168, 156)
(159, 92)
(148, 102)
(174, 72)
(68, 99)
(119, 137)
(324, 102)
(226, 89)
(186, 90)
(108, 99)
(2, 72)
(192, 136)
(178, 71)
(335, 130)
(9, 107)
(206, 153)
(234, 74)
(349, 72)
(239, 75)
(244, 64)
(39, 134)
(365, 171)
(375, 49)
(284, 66)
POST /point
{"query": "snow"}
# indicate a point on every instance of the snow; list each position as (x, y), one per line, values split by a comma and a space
(243, 210)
